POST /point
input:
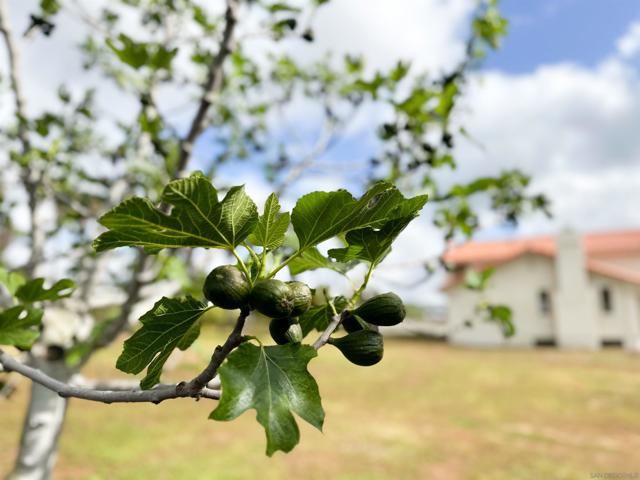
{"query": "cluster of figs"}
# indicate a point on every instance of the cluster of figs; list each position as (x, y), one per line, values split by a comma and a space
(227, 287)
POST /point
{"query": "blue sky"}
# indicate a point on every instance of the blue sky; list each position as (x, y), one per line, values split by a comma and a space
(550, 31)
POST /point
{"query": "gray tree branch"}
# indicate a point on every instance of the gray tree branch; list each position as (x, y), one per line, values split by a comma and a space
(30, 178)
(204, 384)
(324, 336)
(67, 390)
(212, 85)
(221, 352)
(14, 62)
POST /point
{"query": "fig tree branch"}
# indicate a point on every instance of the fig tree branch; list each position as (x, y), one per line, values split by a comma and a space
(324, 337)
(212, 85)
(30, 178)
(221, 352)
(65, 390)
(203, 385)
(16, 86)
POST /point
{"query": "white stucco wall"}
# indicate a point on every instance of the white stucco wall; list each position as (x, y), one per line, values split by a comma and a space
(517, 284)
(621, 323)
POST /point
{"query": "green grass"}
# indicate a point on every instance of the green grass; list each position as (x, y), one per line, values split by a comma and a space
(428, 411)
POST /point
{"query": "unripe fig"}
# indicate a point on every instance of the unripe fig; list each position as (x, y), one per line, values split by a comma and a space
(272, 298)
(384, 310)
(363, 347)
(353, 323)
(285, 330)
(227, 287)
(302, 297)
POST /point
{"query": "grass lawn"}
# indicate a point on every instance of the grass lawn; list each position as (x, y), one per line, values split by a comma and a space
(428, 411)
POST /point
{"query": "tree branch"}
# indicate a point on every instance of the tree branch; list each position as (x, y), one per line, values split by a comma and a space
(324, 337)
(211, 86)
(155, 395)
(204, 385)
(133, 295)
(29, 177)
(16, 86)
(221, 352)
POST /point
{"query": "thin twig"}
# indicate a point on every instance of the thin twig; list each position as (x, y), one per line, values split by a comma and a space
(318, 149)
(29, 177)
(211, 86)
(14, 68)
(114, 328)
(324, 337)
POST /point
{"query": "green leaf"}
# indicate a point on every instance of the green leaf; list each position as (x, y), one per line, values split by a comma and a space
(132, 53)
(11, 280)
(169, 324)
(319, 216)
(272, 226)
(319, 316)
(373, 245)
(274, 381)
(475, 280)
(196, 220)
(50, 7)
(19, 326)
(34, 291)
(283, 7)
(312, 259)
(502, 315)
(191, 336)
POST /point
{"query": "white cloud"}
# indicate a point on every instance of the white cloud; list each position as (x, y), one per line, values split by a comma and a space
(429, 33)
(572, 128)
(629, 44)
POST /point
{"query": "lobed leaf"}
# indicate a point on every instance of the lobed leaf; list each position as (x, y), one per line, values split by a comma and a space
(196, 220)
(312, 259)
(319, 216)
(373, 244)
(274, 381)
(34, 291)
(272, 226)
(11, 280)
(19, 326)
(169, 324)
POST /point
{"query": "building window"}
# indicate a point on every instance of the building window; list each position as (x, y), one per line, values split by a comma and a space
(544, 302)
(605, 300)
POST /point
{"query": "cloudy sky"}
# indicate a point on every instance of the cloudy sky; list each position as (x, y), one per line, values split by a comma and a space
(560, 100)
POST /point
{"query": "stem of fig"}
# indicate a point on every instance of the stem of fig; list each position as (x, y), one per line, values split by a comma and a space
(243, 267)
(358, 293)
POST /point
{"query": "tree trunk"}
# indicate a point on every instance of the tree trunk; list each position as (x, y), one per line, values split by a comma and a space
(42, 425)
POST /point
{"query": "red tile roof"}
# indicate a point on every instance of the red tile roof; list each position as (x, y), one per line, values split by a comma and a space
(598, 247)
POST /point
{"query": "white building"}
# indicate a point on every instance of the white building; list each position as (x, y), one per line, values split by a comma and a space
(571, 291)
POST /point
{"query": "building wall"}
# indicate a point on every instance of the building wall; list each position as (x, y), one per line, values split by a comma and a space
(517, 284)
(620, 324)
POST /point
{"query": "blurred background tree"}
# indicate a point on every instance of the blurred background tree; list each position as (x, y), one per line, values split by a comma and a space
(207, 85)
